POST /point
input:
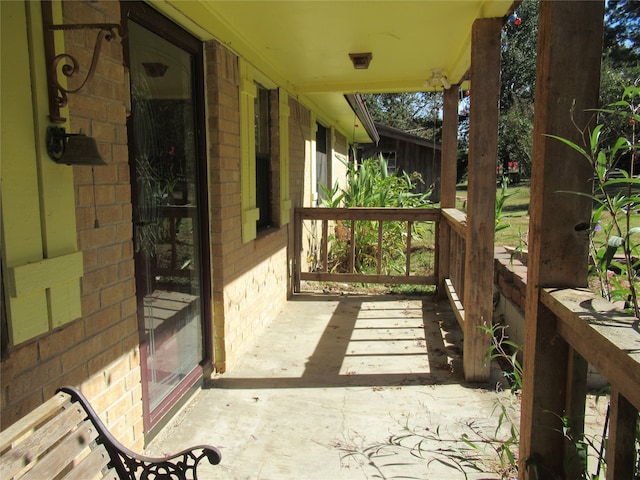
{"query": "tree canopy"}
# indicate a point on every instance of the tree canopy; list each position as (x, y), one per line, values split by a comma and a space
(419, 113)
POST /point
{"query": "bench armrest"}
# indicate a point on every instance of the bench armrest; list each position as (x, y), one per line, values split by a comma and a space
(131, 465)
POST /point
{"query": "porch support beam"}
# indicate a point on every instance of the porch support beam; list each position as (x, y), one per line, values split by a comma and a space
(567, 80)
(483, 149)
(449, 152)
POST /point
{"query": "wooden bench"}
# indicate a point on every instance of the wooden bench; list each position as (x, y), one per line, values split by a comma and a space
(65, 439)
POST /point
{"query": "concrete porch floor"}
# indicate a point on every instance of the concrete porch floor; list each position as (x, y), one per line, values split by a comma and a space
(342, 387)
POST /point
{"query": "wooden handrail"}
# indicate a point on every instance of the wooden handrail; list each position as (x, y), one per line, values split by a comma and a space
(605, 336)
(380, 215)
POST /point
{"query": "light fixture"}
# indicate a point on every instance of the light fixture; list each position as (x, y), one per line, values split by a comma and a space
(70, 67)
(361, 61)
(155, 69)
(72, 148)
(437, 79)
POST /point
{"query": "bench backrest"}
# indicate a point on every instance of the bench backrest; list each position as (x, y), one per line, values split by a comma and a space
(55, 440)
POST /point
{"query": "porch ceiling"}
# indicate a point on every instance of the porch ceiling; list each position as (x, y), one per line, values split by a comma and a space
(304, 46)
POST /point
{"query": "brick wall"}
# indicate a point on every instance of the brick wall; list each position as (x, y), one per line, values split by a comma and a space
(510, 275)
(249, 279)
(110, 344)
(299, 154)
(99, 351)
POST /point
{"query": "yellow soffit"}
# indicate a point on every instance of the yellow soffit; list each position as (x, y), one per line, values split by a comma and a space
(304, 45)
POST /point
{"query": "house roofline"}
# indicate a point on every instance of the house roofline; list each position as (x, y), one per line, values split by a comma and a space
(360, 109)
(396, 133)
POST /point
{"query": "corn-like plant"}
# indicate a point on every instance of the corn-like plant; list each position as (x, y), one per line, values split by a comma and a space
(370, 185)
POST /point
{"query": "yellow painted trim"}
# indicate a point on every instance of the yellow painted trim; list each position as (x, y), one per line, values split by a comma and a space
(284, 112)
(249, 226)
(313, 190)
(56, 181)
(27, 279)
(32, 307)
(38, 204)
(22, 241)
(21, 234)
(64, 303)
(248, 93)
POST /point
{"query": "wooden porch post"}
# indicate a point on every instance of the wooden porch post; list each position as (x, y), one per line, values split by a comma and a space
(481, 195)
(448, 167)
(449, 155)
(567, 79)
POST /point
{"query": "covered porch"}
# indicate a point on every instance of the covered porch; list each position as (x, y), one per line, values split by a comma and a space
(352, 386)
(331, 380)
(565, 328)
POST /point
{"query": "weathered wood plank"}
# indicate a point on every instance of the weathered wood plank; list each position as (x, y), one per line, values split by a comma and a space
(24, 454)
(483, 149)
(368, 278)
(449, 153)
(64, 454)
(372, 214)
(456, 219)
(621, 454)
(605, 336)
(458, 308)
(407, 269)
(33, 419)
(325, 248)
(92, 465)
(567, 84)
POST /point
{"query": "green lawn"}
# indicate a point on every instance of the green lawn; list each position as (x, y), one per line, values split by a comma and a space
(515, 213)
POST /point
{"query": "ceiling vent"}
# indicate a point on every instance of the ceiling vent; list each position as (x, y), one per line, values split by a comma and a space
(361, 61)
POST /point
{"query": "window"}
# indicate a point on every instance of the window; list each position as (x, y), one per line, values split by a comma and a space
(264, 153)
(262, 107)
(322, 177)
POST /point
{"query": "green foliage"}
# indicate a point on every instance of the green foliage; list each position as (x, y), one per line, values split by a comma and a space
(501, 198)
(616, 198)
(414, 112)
(622, 31)
(506, 352)
(515, 136)
(370, 185)
(518, 65)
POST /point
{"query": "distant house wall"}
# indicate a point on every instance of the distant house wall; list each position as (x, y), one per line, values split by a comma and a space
(412, 153)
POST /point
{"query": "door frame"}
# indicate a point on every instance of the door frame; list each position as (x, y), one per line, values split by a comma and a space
(154, 21)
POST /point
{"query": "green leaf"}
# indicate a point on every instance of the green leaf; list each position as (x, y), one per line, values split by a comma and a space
(574, 146)
(612, 247)
(595, 138)
(615, 241)
(620, 143)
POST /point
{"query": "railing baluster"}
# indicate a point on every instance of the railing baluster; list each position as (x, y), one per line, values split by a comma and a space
(622, 433)
(407, 270)
(379, 252)
(352, 247)
(324, 249)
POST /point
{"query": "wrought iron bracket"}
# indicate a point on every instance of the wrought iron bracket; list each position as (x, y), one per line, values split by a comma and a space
(58, 94)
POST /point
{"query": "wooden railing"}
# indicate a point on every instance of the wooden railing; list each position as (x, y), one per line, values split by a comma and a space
(609, 339)
(325, 229)
(593, 328)
(452, 248)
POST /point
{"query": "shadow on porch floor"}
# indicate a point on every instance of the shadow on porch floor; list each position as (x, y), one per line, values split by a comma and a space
(330, 380)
